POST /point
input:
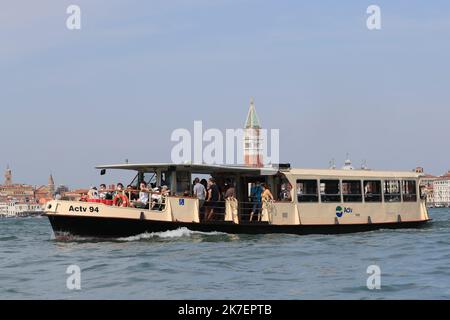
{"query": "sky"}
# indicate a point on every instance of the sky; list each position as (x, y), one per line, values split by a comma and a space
(138, 70)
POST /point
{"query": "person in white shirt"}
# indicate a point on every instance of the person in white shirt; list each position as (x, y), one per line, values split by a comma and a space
(142, 202)
(199, 191)
(103, 193)
(93, 193)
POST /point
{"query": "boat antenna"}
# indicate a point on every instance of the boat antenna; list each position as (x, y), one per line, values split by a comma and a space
(332, 164)
(364, 165)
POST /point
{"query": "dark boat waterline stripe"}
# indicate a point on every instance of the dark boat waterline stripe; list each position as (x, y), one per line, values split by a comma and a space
(115, 227)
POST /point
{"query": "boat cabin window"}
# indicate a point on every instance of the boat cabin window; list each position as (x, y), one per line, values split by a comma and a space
(307, 191)
(392, 191)
(330, 191)
(351, 190)
(372, 191)
(409, 191)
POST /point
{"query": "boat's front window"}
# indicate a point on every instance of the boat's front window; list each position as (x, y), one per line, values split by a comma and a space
(149, 178)
(409, 191)
(330, 191)
(351, 189)
(166, 179)
(184, 182)
(392, 191)
(372, 191)
(307, 191)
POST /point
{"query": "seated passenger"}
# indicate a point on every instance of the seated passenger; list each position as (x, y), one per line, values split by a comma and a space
(93, 194)
(285, 194)
(165, 191)
(132, 193)
(104, 194)
(143, 200)
(159, 197)
(156, 196)
(84, 197)
(119, 189)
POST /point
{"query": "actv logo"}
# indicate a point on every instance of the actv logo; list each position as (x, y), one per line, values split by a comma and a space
(340, 211)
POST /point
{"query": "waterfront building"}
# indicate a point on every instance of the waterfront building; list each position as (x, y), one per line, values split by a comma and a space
(19, 197)
(427, 184)
(253, 142)
(13, 209)
(19, 192)
(435, 188)
(441, 188)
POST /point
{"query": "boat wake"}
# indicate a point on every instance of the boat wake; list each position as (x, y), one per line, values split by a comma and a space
(172, 234)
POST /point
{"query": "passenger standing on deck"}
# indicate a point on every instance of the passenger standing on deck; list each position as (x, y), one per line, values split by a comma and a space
(199, 191)
(205, 184)
(256, 198)
(266, 197)
(213, 199)
(267, 194)
(231, 191)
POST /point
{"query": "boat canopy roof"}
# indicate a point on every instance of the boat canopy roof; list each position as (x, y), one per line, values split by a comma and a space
(197, 168)
(354, 173)
(207, 169)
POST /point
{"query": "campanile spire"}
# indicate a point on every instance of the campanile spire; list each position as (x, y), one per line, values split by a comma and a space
(8, 176)
(253, 143)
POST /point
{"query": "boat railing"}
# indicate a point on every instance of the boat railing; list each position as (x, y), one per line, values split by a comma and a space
(237, 211)
(224, 210)
(156, 200)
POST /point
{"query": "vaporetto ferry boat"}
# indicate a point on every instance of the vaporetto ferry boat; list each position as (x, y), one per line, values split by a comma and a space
(300, 201)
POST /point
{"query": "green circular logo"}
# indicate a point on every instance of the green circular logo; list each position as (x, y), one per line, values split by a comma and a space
(339, 211)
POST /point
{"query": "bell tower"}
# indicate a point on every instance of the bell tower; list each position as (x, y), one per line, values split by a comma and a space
(51, 186)
(8, 176)
(253, 143)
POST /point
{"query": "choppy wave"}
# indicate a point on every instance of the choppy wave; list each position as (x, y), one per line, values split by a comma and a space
(179, 233)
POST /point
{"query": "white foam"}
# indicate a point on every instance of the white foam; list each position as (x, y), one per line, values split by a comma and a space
(179, 233)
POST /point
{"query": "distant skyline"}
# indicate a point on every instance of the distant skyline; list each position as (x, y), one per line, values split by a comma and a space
(117, 88)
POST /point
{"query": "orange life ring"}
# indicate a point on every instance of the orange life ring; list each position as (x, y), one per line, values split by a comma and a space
(121, 200)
